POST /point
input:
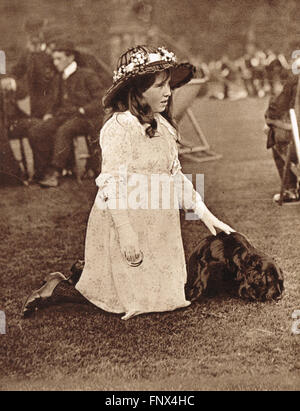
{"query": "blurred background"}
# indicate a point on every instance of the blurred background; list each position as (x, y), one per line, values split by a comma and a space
(205, 28)
(241, 48)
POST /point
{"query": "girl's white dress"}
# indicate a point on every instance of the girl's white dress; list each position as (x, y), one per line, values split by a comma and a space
(133, 160)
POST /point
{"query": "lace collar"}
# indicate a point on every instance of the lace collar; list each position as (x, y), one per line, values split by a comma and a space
(160, 119)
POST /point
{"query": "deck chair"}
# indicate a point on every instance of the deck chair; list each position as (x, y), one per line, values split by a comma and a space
(193, 147)
(288, 164)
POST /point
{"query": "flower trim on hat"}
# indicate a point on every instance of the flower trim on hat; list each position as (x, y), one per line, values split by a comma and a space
(139, 60)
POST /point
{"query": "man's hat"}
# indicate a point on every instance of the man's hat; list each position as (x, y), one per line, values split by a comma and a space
(142, 60)
(65, 45)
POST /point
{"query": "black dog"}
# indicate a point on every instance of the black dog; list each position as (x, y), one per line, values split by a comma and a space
(247, 271)
(251, 274)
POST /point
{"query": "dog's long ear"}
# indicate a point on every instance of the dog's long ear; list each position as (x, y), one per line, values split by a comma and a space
(197, 269)
(246, 260)
(193, 260)
(242, 263)
(240, 274)
(275, 280)
(195, 285)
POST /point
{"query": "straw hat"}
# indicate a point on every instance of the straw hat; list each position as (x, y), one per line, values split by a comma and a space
(142, 60)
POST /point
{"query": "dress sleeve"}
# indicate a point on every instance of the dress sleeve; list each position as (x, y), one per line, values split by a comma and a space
(188, 197)
(115, 143)
(116, 153)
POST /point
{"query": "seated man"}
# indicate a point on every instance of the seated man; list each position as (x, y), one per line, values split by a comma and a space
(280, 135)
(75, 108)
(31, 76)
(34, 70)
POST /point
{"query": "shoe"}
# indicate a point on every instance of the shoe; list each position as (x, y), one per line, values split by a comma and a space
(289, 196)
(76, 271)
(38, 297)
(50, 180)
(36, 178)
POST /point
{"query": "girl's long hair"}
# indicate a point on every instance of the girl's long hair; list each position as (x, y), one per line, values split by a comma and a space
(130, 98)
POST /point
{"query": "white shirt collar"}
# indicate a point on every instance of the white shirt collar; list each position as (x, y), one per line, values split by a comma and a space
(70, 69)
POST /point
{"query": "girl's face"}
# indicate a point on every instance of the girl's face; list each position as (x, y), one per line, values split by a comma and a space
(158, 94)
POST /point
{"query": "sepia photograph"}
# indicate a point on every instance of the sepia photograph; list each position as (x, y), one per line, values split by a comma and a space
(149, 198)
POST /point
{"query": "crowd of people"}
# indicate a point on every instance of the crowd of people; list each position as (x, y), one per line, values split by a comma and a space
(66, 86)
(257, 73)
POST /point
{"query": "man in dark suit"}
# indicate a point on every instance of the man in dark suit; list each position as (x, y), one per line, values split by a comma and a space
(75, 108)
(280, 135)
(83, 57)
(33, 71)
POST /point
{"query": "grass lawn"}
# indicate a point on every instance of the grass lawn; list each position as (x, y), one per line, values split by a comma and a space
(217, 344)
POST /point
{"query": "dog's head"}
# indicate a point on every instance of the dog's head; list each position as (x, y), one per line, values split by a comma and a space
(260, 279)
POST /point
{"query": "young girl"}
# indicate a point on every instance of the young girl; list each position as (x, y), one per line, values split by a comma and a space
(139, 138)
(134, 257)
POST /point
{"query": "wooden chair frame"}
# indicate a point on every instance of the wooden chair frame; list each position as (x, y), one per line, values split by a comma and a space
(183, 99)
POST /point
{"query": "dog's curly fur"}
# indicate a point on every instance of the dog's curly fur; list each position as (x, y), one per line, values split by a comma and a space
(229, 260)
(251, 274)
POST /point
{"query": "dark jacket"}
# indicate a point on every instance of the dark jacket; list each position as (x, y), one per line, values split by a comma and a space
(279, 109)
(87, 60)
(80, 89)
(281, 104)
(38, 70)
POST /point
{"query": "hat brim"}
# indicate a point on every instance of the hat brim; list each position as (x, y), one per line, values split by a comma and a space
(180, 75)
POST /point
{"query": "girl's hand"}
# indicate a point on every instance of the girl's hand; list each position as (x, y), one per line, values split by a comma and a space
(129, 244)
(212, 223)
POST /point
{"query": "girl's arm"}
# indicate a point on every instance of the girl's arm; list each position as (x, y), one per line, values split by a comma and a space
(116, 152)
(190, 199)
